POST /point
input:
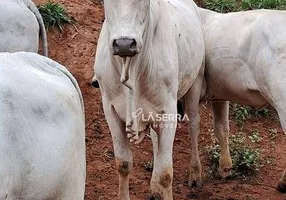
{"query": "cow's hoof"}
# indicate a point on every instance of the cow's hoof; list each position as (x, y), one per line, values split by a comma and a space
(153, 197)
(225, 166)
(224, 173)
(281, 188)
(195, 184)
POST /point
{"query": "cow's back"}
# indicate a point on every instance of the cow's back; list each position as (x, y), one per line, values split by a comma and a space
(19, 29)
(42, 150)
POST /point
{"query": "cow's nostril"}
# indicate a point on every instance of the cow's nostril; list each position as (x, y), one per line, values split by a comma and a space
(115, 46)
(133, 45)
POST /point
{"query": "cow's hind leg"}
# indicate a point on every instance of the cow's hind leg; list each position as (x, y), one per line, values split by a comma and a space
(122, 150)
(281, 109)
(221, 130)
(276, 96)
(191, 106)
(272, 79)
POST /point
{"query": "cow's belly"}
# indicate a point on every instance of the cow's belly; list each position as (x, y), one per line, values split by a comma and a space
(238, 86)
(19, 29)
(238, 95)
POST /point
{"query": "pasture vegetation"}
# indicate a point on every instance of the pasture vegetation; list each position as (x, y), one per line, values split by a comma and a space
(225, 6)
(54, 15)
(255, 137)
(243, 113)
(245, 158)
(273, 133)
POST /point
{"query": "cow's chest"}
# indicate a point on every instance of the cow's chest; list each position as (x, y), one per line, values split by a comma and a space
(137, 103)
(142, 107)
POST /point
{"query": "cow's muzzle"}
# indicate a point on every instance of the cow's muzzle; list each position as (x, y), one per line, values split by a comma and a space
(125, 47)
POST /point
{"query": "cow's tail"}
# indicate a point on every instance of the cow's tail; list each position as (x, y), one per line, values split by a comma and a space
(40, 20)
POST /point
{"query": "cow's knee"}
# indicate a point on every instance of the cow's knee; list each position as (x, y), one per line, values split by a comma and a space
(123, 167)
(166, 179)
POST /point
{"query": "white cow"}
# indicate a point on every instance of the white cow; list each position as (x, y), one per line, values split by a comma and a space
(245, 63)
(42, 131)
(20, 24)
(149, 54)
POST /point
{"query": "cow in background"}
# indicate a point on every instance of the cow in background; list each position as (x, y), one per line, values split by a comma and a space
(42, 130)
(20, 25)
(245, 63)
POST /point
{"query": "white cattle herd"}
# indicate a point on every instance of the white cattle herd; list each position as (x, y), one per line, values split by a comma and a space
(150, 55)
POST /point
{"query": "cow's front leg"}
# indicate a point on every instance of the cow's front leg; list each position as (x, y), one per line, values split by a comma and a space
(162, 176)
(221, 130)
(122, 151)
(154, 138)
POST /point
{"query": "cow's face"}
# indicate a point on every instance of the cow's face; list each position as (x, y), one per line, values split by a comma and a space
(126, 21)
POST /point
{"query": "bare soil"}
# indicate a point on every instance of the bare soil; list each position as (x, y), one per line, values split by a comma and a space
(75, 48)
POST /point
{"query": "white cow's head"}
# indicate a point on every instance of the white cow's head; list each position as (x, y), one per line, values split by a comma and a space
(126, 21)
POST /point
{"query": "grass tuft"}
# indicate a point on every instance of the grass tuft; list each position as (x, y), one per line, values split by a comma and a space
(245, 159)
(54, 15)
(225, 6)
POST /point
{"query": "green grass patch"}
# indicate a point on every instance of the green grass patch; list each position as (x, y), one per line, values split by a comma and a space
(225, 6)
(245, 159)
(221, 6)
(54, 15)
(243, 113)
(260, 4)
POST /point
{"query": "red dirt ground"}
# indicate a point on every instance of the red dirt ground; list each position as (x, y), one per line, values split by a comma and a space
(75, 48)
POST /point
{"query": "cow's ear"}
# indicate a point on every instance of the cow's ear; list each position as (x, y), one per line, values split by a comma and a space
(95, 84)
